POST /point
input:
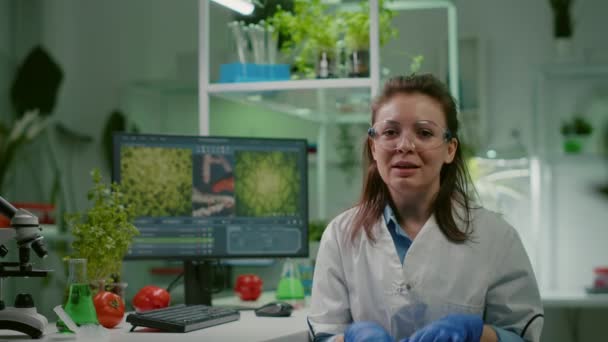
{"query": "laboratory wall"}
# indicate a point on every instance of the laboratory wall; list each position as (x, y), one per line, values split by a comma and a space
(519, 42)
(103, 48)
(6, 52)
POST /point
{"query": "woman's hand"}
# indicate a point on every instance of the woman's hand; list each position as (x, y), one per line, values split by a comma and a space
(451, 328)
(489, 334)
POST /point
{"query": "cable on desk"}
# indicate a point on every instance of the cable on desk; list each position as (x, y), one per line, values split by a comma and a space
(218, 267)
(175, 282)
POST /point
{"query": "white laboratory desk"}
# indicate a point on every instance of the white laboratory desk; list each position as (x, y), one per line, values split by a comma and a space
(566, 309)
(574, 300)
(253, 328)
(248, 328)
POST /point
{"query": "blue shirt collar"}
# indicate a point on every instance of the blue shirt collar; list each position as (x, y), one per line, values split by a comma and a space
(392, 223)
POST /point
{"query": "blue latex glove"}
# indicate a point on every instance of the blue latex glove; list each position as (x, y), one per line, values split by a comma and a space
(451, 328)
(366, 331)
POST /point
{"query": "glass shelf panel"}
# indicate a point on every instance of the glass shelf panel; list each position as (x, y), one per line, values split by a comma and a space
(336, 105)
(291, 85)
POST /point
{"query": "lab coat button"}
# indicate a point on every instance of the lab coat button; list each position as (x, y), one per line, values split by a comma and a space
(408, 286)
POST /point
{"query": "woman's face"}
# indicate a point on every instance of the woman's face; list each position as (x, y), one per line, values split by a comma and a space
(408, 168)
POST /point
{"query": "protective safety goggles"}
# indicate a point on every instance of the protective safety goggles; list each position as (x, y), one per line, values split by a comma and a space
(422, 135)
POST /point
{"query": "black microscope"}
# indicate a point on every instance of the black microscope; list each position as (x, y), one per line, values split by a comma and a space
(24, 228)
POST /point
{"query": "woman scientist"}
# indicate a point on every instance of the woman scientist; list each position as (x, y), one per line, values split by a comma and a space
(415, 258)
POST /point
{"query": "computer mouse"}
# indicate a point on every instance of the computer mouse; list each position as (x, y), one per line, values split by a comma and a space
(274, 309)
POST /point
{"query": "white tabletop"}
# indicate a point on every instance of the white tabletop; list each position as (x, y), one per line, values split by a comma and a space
(248, 328)
(252, 328)
(265, 298)
(574, 299)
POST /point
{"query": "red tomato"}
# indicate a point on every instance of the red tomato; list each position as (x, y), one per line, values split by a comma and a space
(151, 297)
(248, 286)
(109, 307)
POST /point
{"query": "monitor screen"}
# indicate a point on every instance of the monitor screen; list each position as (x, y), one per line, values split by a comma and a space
(201, 197)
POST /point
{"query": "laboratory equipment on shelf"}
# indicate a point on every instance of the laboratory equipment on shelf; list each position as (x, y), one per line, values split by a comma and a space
(258, 63)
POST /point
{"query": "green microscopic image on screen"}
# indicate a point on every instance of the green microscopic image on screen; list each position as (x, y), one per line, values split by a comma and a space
(157, 181)
(266, 183)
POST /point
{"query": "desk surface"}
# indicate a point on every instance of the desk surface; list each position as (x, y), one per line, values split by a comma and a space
(248, 328)
(574, 299)
(253, 328)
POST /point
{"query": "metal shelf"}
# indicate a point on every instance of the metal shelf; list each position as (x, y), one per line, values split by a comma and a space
(322, 112)
(290, 85)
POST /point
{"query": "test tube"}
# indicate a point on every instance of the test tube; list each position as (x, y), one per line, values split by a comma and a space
(272, 45)
(256, 37)
(240, 40)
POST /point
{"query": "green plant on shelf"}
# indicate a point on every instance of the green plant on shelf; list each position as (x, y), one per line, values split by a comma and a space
(305, 32)
(315, 229)
(356, 26)
(313, 28)
(578, 125)
(575, 132)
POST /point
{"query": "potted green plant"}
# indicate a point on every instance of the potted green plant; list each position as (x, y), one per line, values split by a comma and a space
(324, 39)
(104, 233)
(576, 132)
(315, 230)
(356, 35)
(308, 33)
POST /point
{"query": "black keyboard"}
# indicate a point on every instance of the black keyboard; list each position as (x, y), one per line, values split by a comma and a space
(183, 318)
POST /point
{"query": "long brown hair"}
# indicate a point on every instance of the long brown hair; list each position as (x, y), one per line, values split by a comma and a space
(454, 177)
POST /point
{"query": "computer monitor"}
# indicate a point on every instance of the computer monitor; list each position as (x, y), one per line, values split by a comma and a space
(198, 198)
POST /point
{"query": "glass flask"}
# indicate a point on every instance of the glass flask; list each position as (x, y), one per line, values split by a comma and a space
(290, 286)
(79, 303)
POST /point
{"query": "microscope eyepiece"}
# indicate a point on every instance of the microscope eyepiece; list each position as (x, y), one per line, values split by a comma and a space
(40, 249)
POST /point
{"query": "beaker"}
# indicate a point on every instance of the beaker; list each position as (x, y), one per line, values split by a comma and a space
(79, 304)
(290, 286)
(306, 272)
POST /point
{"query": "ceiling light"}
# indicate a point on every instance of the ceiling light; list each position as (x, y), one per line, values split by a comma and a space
(242, 6)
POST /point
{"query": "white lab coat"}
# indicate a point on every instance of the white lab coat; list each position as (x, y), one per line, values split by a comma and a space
(365, 281)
